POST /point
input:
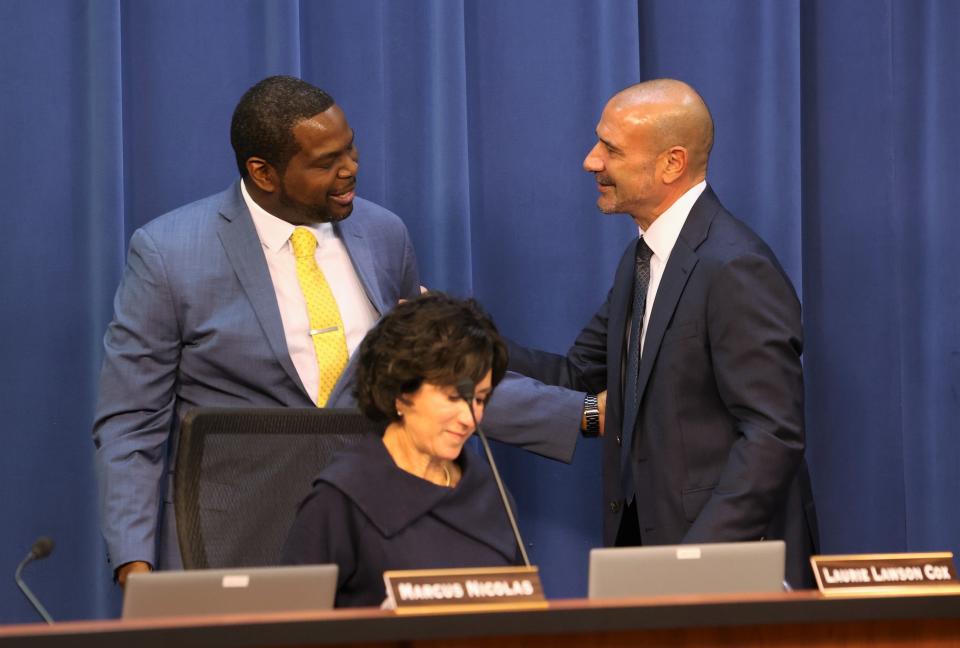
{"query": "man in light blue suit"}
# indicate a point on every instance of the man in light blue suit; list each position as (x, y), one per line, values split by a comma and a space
(209, 312)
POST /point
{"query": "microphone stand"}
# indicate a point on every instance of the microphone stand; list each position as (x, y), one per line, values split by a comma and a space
(37, 605)
(465, 391)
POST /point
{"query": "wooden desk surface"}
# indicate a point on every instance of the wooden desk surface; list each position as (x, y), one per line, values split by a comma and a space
(786, 619)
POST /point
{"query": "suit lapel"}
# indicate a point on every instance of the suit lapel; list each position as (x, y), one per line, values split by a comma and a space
(675, 275)
(683, 259)
(245, 252)
(351, 233)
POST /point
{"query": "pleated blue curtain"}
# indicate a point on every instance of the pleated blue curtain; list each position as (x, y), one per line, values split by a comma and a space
(853, 268)
(63, 244)
(880, 259)
(926, 139)
(834, 141)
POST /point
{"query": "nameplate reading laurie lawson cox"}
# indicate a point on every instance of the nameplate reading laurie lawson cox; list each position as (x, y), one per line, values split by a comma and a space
(475, 589)
(886, 574)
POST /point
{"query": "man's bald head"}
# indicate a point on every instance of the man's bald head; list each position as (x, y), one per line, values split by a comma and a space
(677, 114)
(653, 143)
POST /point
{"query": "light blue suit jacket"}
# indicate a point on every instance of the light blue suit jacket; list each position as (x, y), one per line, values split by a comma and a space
(196, 324)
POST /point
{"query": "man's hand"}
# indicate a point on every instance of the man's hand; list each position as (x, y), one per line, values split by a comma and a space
(135, 567)
(423, 291)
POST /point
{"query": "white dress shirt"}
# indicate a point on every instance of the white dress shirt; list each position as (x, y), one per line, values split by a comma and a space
(660, 237)
(356, 310)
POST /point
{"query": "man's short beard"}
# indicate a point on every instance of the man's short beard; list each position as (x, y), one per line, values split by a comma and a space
(305, 212)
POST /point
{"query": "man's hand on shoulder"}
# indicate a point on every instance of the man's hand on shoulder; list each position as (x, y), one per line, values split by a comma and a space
(135, 567)
(423, 291)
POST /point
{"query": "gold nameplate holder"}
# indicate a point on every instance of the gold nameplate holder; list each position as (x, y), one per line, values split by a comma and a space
(886, 574)
(426, 591)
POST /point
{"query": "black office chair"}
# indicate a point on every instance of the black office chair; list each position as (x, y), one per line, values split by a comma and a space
(241, 473)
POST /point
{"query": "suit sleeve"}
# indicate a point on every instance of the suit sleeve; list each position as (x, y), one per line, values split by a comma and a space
(755, 338)
(540, 418)
(135, 406)
(539, 405)
(583, 368)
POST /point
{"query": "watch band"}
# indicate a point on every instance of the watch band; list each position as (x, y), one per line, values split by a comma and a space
(591, 412)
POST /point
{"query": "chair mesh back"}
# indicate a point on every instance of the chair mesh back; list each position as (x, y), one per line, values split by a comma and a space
(242, 473)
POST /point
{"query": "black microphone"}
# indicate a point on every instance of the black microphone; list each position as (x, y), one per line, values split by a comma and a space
(465, 388)
(42, 548)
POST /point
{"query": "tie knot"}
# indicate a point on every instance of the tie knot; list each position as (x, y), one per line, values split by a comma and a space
(643, 251)
(303, 241)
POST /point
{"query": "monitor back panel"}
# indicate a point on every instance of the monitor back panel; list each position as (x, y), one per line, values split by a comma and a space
(687, 569)
(230, 591)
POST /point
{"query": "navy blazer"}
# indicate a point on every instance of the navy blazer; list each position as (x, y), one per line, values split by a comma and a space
(368, 516)
(196, 324)
(718, 441)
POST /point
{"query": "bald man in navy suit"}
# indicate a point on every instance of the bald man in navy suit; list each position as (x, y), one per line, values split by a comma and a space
(698, 344)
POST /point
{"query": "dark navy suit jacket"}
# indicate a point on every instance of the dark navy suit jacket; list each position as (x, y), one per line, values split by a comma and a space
(719, 437)
(368, 516)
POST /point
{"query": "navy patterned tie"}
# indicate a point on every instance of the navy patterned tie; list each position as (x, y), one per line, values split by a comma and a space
(631, 402)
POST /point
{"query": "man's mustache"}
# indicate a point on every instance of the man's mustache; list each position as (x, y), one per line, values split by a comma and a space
(604, 180)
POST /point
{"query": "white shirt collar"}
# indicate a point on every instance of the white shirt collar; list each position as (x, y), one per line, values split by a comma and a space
(275, 232)
(663, 233)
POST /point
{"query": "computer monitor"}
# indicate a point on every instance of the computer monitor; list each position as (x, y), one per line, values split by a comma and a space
(229, 591)
(687, 569)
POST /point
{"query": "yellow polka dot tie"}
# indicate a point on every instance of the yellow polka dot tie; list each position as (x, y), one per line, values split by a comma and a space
(326, 327)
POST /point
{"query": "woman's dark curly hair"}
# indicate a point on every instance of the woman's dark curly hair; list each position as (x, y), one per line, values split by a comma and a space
(433, 338)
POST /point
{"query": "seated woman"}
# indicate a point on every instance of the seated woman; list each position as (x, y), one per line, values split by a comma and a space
(413, 499)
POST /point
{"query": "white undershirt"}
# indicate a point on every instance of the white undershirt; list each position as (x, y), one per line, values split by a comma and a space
(356, 310)
(661, 236)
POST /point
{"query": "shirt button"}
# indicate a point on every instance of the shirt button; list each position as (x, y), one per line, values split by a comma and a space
(619, 440)
(614, 506)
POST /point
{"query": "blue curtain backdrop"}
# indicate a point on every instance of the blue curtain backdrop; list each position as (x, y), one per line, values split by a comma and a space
(834, 141)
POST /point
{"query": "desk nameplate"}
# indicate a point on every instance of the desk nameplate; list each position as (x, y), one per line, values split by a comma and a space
(464, 590)
(886, 574)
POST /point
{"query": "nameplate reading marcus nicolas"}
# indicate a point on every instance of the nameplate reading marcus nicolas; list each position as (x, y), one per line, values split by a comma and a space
(886, 574)
(445, 590)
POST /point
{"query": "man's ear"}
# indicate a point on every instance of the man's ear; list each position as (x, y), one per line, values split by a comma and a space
(263, 174)
(677, 160)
